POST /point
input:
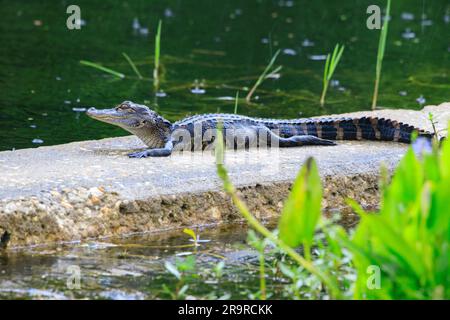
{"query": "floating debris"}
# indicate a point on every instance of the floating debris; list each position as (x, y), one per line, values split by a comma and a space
(447, 18)
(403, 93)
(198, 88)
(199, 241)
(58, 78)
(427, 23)
(67, 101)
(317, 57)
(186, 253)
(307, 43)
(80, 22)
(136, 24)
(408, 34)
(99, 245)
(30, 119)
(342, 89)
(407, 16)
(79, 109)
(161, 94)
(388, 18)
(265, 40)
(289, 52)
(143, 31)
(226, 98)
(33, 126)
(168, 13)
(37, 141)
(276, 75)
(198, 91)
(421, 100)
(289, 3)
(334, 83)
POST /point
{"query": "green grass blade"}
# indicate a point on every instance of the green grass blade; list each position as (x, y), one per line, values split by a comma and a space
(337, 54)
(102, 68)
(326, 70)
(157, 68)
(330, 66)
(263, 76)
(380, 54)
(133, 66)
(236, 101)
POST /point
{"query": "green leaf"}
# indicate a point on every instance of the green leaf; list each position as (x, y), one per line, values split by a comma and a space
(302, 209)
(191, 233)
(172, 269)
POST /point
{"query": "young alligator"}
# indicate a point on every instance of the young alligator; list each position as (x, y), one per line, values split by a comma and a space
(162, 137)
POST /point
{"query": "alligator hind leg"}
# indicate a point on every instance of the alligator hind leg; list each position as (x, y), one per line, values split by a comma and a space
(306, 140)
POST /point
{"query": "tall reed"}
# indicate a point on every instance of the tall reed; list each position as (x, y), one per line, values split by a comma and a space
(157, 67)
(330, 67)
(133, 66)
(266, 74)
(380, 55)
(102, 68)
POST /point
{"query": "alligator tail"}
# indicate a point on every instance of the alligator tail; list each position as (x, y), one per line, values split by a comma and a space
(366, 128)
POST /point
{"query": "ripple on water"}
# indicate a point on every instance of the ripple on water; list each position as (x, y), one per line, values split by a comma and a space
(317, 57)
(408, 34)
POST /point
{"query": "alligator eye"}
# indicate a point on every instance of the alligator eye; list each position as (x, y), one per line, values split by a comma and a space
(123, 107)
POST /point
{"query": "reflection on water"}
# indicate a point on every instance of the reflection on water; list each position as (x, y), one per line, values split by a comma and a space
(209, 50)
(132, 268)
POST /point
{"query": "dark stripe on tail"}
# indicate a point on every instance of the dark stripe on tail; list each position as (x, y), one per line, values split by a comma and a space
(366, 128)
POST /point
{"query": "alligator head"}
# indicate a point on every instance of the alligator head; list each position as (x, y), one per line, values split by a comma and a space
(138, 119)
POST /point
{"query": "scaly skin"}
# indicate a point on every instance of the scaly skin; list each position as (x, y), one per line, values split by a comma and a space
(162, 137)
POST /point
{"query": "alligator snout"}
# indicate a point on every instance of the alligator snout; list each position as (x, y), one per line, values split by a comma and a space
(91, 111)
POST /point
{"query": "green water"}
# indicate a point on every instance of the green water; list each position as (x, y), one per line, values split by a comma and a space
(223, 46)
(134, 268)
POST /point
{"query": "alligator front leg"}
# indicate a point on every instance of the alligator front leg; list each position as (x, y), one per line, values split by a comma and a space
(160, 152)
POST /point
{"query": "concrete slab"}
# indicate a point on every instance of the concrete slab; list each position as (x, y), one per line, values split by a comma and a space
(90, 189)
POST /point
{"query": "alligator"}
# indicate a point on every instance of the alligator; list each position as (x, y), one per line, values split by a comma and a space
(163, 137)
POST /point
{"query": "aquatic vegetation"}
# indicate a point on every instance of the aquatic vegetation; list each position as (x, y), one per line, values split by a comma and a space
(380, 55)
(401, 252)
(267, 73)
(183, 270)
(157, 67)
(306, 171)
(102, 68)
(236, 101)
(260, 245)
(133, 66)
(409, 237)
(330, 66)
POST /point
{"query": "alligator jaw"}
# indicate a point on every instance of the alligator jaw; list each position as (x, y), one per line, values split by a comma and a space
(110, 116)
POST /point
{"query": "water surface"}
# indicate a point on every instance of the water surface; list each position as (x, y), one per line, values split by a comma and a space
(210, 50)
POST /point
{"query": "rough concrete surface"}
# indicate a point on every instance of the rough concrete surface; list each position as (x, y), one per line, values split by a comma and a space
(91, 189)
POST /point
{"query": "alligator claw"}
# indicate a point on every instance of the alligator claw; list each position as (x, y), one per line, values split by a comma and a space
(140, 154)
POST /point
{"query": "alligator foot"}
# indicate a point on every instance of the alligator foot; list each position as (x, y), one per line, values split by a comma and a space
(306, 140)
(151, 153)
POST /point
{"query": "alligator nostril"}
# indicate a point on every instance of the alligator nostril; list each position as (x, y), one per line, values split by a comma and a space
(90, 110)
